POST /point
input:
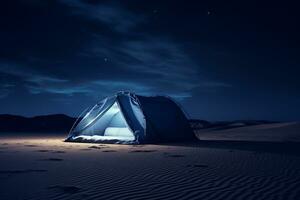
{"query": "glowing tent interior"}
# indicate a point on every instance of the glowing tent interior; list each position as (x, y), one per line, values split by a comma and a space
(132, 119)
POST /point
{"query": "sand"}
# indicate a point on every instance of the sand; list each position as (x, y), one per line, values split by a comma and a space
(43, 167)
(275, 132)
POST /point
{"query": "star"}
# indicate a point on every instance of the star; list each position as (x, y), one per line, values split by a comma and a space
(105, 59)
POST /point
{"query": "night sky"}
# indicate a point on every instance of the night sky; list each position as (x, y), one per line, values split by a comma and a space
(220, 60)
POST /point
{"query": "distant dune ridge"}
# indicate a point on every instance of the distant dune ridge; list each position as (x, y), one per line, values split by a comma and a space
(220, 125)
(61, 122)
(45, 123)
(238, 130)
(256, 132)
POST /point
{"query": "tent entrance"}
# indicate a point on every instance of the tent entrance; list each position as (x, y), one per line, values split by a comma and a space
(110, 126)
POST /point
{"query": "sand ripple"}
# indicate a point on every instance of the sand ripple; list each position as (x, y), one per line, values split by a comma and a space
(149, 172)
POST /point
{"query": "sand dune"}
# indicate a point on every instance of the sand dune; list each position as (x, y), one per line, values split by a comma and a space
(30, 169)
(275, 132)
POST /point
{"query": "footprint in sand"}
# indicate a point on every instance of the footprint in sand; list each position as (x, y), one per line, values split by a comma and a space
(43, 150)
(95, 147)
(98, 147)
(102, 145)
(30, 145)
(142, 151)
(65, 189)
(174, 155)
(198, 166)
(106, 151)
(52, 159)
(26, 171)
(58, 152)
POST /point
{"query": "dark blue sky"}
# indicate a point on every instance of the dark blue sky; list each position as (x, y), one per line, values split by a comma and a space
(221, 60)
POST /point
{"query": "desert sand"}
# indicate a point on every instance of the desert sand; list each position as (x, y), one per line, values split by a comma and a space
(45, 167)
(274, 132)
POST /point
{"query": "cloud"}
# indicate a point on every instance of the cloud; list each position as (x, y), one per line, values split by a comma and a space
(65, 90)
(114, 15)
(44, 79)
(34, 81)
(109, 85)
(161, 67)
(142, 66)
(215, 84)
(6, 86)
(5, 90)
(28, 73)
(124, 59)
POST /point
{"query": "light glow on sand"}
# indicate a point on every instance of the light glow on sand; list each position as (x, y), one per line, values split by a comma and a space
(104, 138)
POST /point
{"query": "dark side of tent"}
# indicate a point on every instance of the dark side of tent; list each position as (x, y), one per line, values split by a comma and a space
(126, 118)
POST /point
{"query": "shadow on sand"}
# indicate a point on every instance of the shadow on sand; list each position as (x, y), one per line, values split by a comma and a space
(291, 148)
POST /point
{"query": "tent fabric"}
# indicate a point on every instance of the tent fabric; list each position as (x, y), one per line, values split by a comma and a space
(132, 119)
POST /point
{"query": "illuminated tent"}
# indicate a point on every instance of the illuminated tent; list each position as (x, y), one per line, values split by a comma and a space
(129, 118)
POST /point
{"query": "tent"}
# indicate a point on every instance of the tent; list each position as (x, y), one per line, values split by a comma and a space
(132, 119)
